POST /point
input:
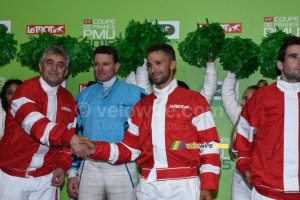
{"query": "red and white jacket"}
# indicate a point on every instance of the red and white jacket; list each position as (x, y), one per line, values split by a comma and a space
(156, 122)
(267, 140)
(41, 119)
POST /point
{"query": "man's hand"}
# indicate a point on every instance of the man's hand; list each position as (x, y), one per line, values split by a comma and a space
(78, 148)
(206, 194)
(90, 144)
(58, 177)
(73, 187)
(247, 176)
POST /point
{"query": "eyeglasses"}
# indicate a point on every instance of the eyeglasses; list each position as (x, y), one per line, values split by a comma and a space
(51, 63)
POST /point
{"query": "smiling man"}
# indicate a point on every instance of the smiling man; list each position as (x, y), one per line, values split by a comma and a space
(40, 124)
(104, 109)
(267, 139)
(169, 115)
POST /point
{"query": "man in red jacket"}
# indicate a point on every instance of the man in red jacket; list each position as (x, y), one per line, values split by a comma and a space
(39, 126)
(267, 139)
(157, 123)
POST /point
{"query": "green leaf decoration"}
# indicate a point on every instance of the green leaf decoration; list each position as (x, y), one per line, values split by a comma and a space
(133, 48)
(269, 49)
(8, 45)
(81, 52)
(202, 44)
(127, 61)
(240, 56)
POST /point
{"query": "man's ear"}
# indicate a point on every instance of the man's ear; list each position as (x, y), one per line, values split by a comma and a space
(66, 73)
(173, 64)
(117, 67)
(40, 67)
(279, 65)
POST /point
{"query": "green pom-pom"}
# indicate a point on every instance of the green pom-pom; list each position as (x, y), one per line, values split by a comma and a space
(138, 38)
(240, 56)
(129, 58)
(269, 49)
(81, 53)
(202, 44)
(8, 45)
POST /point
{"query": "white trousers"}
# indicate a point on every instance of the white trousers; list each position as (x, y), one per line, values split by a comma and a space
(16, 188)
(184, 189)
(100, 181)
(256, 196)
(240, 188)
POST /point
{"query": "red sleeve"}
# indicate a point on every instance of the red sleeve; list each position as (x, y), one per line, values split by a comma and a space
(246, 129)
(64, 160)
(29, 115)
(207, 133)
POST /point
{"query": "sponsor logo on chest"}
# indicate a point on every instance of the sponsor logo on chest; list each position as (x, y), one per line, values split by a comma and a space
(179, 106)
(66, 109)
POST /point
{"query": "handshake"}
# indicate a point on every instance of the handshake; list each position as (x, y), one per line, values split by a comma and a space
(82, 146)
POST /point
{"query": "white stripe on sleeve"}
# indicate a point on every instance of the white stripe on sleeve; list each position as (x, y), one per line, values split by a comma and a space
(72, 124)
(204, 121)
(245, 129)
(134, 129)
(30, 120)
(210, 168)
(17, 103)
(45, 138)
(114, 153)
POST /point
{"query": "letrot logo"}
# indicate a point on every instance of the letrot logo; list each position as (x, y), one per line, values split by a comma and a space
(229, 27)
(52, 29)
(82, 87)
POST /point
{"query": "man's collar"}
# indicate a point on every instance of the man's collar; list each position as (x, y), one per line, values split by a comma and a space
(287, 87)
(109, 83)
(46, 87)
(167, 90)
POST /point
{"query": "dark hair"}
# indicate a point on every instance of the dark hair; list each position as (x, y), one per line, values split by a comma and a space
(56, 50)
(107, 50)
(289, 41)
(262, 83)
(253, 87)
(4, 89)
(182, 84)
(167, 49)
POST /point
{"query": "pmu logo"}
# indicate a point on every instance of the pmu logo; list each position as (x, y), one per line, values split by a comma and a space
(7, 24)
(169, 28)
(52, 29)
(229, 27)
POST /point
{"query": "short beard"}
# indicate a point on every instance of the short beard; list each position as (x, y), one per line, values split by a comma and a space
(163, 80)
(292, 77)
